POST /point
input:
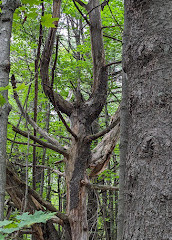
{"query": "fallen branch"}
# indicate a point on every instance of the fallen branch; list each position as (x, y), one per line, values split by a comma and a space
(16, 188)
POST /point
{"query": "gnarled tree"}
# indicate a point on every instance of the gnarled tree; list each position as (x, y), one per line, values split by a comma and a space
(78, 157)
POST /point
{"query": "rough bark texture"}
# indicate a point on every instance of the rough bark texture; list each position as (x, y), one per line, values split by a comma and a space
(6, 17)
(148, 68)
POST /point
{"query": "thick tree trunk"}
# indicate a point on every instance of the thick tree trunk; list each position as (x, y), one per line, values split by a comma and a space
(6, 17)
(76, 166)
(147, 63)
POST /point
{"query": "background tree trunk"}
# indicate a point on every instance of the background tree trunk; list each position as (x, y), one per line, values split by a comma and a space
(6, 17)
(147, 64)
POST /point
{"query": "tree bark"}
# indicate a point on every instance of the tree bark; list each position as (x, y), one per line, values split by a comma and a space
(6, 17)
(147, 64)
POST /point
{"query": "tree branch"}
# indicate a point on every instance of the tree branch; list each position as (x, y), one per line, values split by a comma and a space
(99, 187)
(43, 144)
(24, 143)
(95, 103)
(63, 105)
(83, 5)
(103, 132)
(42, 166)
(61, 117)
(53, 141)
(112, 63)
(113, 38)
(13, 179)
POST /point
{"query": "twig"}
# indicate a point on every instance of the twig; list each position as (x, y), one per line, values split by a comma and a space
(24, 143)
(42, 166)
(103, 132)
(108, 27)
(103, 4)
(86, 19)
(98, 186)
(81, 3)
(114, 17)
(44, 144)
(115, 39)
(112, 63)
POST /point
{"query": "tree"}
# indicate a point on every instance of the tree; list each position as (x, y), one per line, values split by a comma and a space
(83, 110)
(146, 164)
(6, 18)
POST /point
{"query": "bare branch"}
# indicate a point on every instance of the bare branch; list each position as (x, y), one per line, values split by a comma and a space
(108, 27)
(24, 143)
(112, 63)
(14, 180)
(114, 18)
(113, 38)
(53, 141)
(44, 144)
(103, 132)
(100, 76)
(99, 187)
(83, 5)
(43, 166)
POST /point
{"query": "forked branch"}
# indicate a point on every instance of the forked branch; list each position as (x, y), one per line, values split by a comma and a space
(63, 105)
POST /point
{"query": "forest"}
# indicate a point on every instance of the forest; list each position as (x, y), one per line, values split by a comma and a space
(85, 120)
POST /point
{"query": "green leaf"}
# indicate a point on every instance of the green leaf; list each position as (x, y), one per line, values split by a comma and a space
(9, 230)
(5, 88)
(2, 100)
(5, 222)
(2, 237)
(20, 87)
(31, 2)
(37, 217)
(47, 20)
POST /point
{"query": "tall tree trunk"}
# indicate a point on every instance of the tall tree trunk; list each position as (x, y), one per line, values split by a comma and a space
(6, 17)
(147, 64)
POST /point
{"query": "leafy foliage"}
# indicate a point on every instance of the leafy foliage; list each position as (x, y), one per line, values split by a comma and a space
(26, 219)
